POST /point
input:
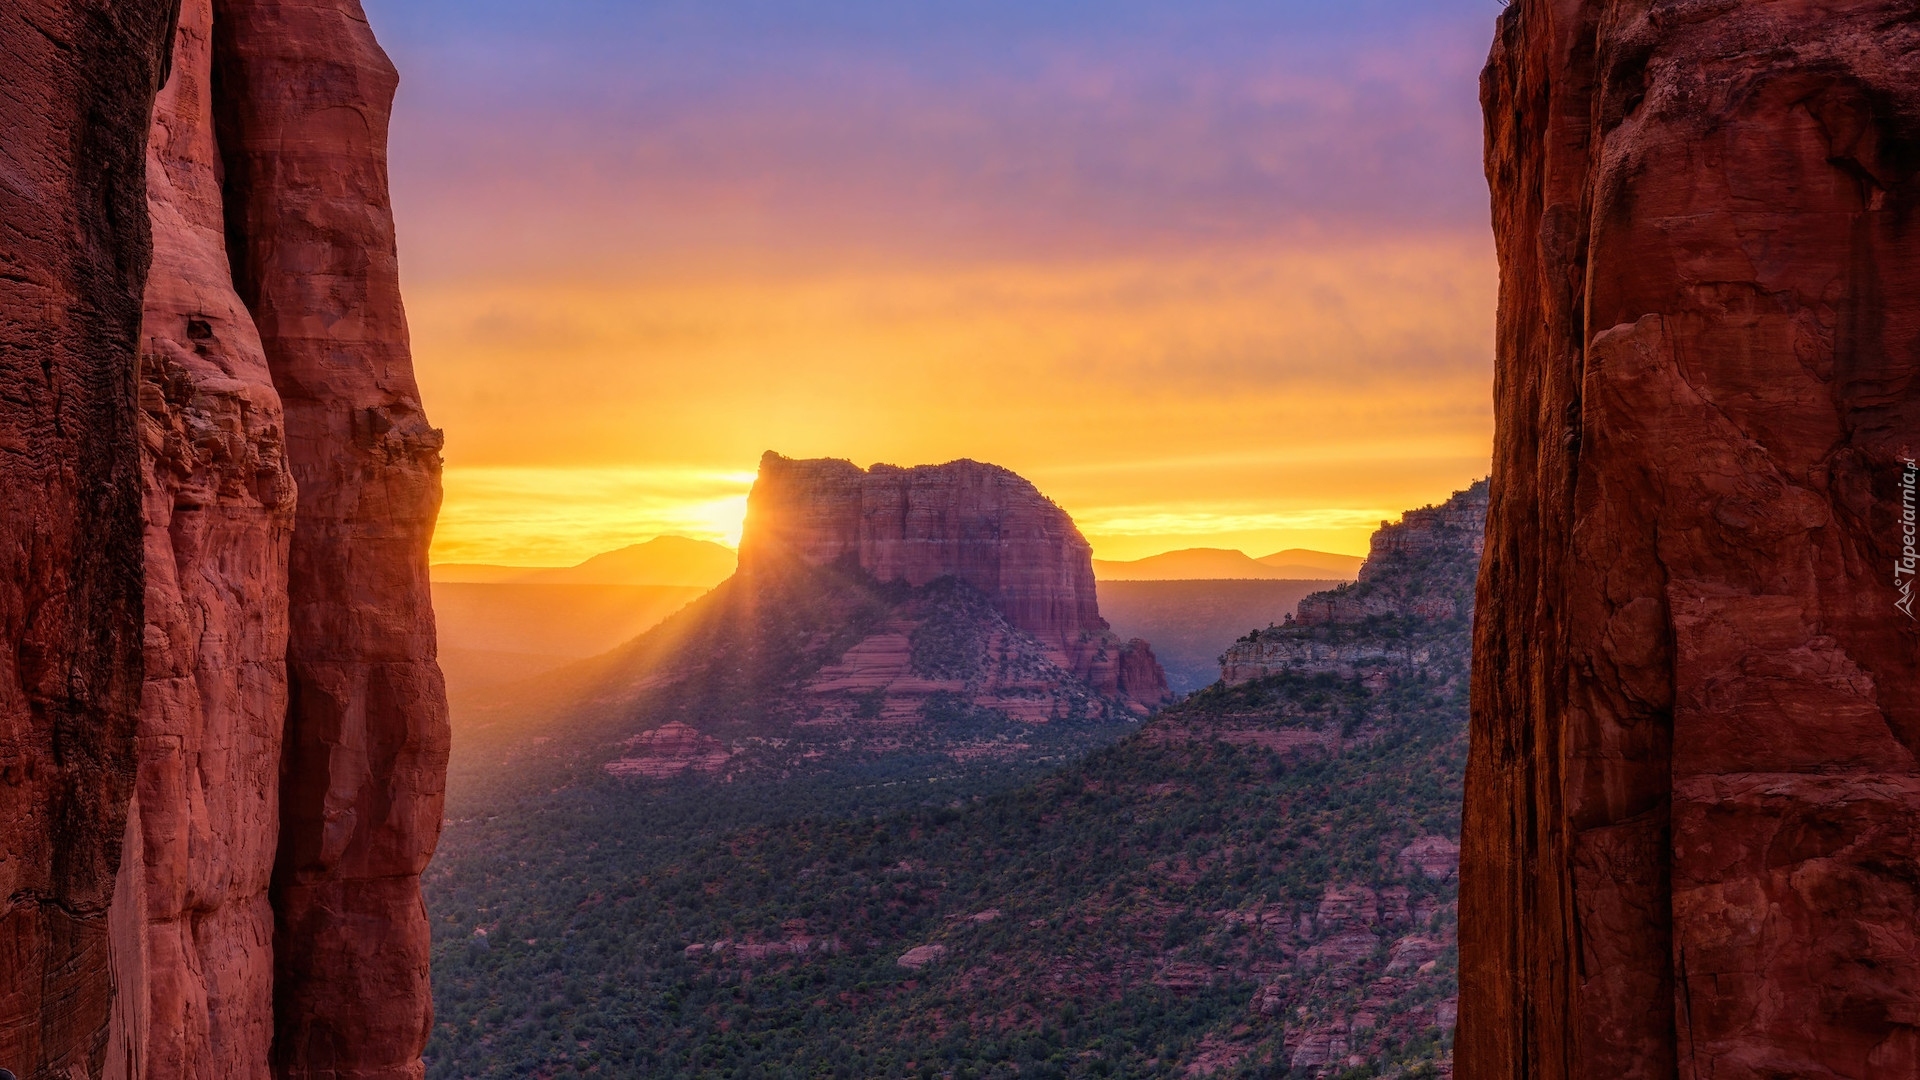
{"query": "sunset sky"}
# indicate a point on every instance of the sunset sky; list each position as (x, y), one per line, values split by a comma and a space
(1209, 273)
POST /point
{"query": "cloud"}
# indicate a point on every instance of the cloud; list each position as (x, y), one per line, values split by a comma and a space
(1217, 269)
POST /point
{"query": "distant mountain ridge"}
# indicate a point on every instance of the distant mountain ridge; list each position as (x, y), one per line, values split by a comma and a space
(682, 561)
(663, 561)
(1201, 564)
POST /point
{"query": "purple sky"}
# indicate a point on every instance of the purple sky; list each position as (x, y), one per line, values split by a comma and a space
(1209, 273)
(585, 129)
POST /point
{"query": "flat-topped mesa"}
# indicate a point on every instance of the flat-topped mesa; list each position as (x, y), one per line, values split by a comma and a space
(1688, 839)
(1411, 601)
(977, 523)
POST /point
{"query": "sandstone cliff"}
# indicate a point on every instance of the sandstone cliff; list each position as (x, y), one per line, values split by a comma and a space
(304, 130)
(1409, 607)
(77, 89)
(220, 860)
(978, 524)
(1688, 846)
(219, 514)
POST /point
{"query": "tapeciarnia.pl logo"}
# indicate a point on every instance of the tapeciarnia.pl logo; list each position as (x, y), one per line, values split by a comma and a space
(1903, 567)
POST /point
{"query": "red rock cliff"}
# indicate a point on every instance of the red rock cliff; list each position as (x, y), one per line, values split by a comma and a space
(219, 863)
(76, 91)
(980, 524)
(306, 97)
(1688, 840)
(219, 514)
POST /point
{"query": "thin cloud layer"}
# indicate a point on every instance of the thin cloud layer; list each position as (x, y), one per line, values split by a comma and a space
(1089, 242)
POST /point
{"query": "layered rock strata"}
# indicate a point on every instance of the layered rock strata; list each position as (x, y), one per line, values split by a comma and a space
(77, 90)
(1409, 607)
(976, 523)
(1688, 841)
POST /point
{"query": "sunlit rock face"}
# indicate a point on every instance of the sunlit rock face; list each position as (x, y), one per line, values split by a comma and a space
(211, 871)
(1408, 611)
(219, 503)
(76, 88)
(1688, 840)
(305, 98)
(979, 524)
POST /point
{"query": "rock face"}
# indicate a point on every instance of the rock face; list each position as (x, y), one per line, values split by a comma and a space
(1410, 606)
(956, 623)
(1688, 837)
(303, 135)
(219, 861)
(219, 514)
(77, 89)
(979, 524)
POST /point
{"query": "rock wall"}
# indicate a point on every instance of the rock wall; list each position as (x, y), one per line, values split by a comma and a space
(978, 523)
(76, 89)
(306, 95)
(209, 846)
(1688, 840)
(219, 514)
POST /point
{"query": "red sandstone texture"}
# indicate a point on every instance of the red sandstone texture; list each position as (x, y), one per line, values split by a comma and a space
(1688, 845)
(219, 514)
(669, 750)
(178, 897)
(307, 95)
(76, 89)
(979, 524)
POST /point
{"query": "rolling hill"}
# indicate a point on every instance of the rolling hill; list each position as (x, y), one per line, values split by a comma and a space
(675, 561)
(1194, 564)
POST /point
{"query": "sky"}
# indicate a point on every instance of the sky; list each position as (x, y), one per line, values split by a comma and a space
(1208, 273)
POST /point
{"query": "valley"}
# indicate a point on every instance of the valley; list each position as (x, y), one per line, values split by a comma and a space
(818, 823)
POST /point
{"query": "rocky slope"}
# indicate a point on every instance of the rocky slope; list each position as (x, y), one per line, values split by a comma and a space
(947, 611)
(1688, 841)
(1258, 883)
(1409, 607)
(232, 865)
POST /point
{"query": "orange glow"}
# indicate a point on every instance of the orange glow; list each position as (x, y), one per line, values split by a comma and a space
(1258, 399)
